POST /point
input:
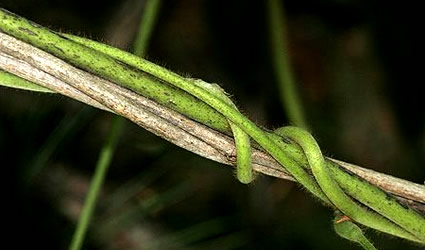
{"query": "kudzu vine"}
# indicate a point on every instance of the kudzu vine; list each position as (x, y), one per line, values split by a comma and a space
(295, 149)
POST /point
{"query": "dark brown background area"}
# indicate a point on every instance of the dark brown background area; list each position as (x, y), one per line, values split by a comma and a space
(358, 65)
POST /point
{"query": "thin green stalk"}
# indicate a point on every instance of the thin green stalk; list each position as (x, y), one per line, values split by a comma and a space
(147, 22)
(282, 66)
(95, 185)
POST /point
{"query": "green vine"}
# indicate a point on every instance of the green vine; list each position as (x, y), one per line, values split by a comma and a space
(301, 156)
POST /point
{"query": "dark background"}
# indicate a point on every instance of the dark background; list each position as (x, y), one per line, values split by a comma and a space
(358, 65)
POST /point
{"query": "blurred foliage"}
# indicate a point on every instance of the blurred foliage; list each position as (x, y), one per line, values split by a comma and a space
(356, 65)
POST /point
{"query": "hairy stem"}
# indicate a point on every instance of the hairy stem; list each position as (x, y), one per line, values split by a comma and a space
(152, 77)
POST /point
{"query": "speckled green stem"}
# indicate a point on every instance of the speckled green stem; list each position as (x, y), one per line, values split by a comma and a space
(110, 68)
(182, 95)
(337, 196)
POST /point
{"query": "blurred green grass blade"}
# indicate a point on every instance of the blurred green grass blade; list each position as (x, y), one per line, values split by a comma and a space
(134, 186)
(96, 183)
(190, 235)
(161, 200)
(147, 23)
(140, 183)
(282, 66)
(138, 211)
(236, 240)
(67, 127)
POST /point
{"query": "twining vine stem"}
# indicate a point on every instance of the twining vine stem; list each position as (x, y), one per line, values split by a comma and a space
(53, 73)
(212, 142)
(47, 70)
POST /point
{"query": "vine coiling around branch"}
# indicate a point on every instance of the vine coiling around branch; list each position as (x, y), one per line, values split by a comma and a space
(244, 171)
(322, 178)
